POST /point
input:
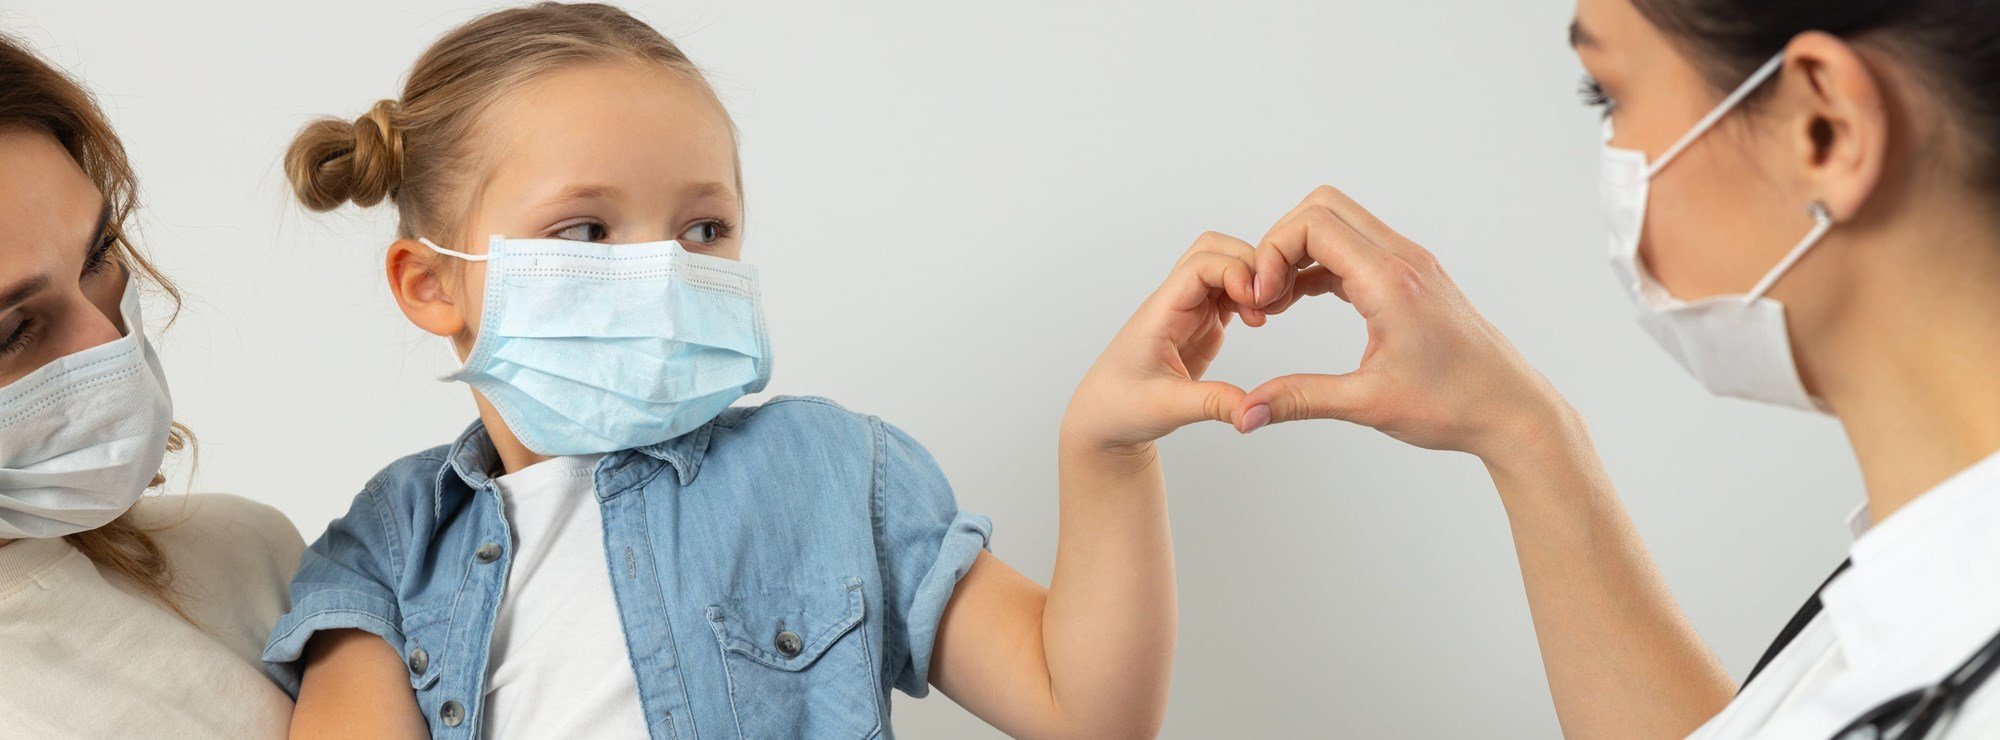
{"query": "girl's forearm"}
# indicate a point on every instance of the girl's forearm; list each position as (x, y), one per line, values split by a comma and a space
(1621, 657)
(1110, 620)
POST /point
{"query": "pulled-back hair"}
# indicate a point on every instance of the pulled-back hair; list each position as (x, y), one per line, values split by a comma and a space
(416, 151)
(1953, 45)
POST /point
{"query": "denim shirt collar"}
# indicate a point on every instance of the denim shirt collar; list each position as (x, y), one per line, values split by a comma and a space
(684, 452)
(472, 454)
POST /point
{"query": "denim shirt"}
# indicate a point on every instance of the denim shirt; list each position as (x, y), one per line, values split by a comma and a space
(776, 572)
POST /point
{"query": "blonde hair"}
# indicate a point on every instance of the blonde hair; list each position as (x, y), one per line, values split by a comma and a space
(416, 151)
(39, 96)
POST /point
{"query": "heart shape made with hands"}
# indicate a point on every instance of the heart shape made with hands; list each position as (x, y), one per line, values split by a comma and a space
(1167, 348)
(1329, 330)
(1431, 365)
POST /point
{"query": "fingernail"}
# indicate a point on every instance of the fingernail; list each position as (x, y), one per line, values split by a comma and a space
(1257, 289)
(1256, 418)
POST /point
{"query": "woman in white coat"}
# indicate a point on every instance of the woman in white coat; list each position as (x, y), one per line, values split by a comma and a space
(1805, 205)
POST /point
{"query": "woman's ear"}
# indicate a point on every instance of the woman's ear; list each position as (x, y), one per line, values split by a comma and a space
(1842, 130)
(421, 290)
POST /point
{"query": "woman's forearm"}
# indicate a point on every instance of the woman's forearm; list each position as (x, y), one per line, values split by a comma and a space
(1110, 620)
(1621, 657)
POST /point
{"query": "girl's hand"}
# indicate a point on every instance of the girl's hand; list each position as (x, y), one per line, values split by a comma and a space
(1435, 374)
(1148, 382)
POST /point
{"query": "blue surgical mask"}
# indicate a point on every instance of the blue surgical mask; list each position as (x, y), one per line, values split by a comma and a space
(586, 348)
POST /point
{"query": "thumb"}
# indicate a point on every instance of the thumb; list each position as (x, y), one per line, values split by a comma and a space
(1204, 401)
(1303, 396)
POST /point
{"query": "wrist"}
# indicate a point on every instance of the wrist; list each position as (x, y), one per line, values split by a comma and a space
(1078, 446)
(1093, 425)
(1080, 442)
(1549, 473)
(1536, 437)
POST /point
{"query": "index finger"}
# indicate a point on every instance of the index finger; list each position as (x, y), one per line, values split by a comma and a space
(1200, 275)
(1363, 221)
(1314, 233)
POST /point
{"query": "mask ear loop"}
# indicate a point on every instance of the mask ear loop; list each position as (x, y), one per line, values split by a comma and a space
(1822, 223)
(1728, 104)
(450, 346)
(454, 253)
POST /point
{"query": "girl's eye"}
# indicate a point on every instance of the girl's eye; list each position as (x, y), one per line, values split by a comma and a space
(588, 231)
(707, 232)
(1593, 94)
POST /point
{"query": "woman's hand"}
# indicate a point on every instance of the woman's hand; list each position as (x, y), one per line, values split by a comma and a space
(1435, 374)
(1148, 382)
(1622, 660)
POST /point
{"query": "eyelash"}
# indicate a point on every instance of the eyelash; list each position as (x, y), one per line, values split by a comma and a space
(1593, 94)
(20, 338)
(94, 263)
(100, 256)
(723, 229)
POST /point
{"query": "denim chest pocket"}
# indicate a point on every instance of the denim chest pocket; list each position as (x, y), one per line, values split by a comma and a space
(424, 642)
(798, 665)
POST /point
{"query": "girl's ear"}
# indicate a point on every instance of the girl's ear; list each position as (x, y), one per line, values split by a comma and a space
(1843, 137)
(420, 289)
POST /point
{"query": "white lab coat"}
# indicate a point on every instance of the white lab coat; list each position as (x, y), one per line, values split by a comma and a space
(1922, 596)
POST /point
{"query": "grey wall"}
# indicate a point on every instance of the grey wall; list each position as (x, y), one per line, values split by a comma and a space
(955, 205)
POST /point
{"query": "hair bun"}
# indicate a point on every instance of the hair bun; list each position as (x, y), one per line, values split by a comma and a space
(332, 161)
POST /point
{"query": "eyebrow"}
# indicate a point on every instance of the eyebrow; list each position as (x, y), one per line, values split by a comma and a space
(1579, 36)
(711, 190)
(612, 192)
(23, 291)
(584, 192)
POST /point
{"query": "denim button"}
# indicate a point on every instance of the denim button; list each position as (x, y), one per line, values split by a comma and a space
(420, 661)
(452, 713)
(487, 553)
(788, 644)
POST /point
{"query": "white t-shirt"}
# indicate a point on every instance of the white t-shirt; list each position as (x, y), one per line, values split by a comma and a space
(1922, 596)
(559, 666)
(84, 653)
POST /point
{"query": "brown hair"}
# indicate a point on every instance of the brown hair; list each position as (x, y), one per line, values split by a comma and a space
(416, 153)
(1953, 44)
(39, 96)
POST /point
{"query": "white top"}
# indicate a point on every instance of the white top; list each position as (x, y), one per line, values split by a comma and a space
(1922, 596)
(559, 666)
(86, 654)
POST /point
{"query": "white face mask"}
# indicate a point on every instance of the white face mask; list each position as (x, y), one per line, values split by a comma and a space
(81, 436)
(1736, 345)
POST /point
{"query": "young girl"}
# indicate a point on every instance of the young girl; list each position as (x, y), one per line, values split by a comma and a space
(612, 551)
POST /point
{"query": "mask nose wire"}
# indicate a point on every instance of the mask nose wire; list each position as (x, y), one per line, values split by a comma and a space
(1757, 79)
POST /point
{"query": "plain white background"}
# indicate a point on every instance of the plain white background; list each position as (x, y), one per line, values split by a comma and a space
(954, 206)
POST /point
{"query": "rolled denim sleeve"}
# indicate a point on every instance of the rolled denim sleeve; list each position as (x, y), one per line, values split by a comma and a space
(928, 545)
(345, 581)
